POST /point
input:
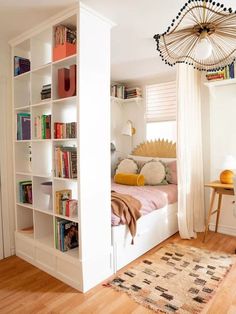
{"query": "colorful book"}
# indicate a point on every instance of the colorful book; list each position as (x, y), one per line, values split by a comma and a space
(23, 126)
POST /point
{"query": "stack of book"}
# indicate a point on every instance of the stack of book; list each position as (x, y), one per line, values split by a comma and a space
(64, 34)
(46, 91)
(227, 73)
(25, 191)
(66, 234)
(65, 205)
(23, 126)
(65, 130)
(21, 65)
(65, 162)
(133, 92)
(118, 90)
(42, 127)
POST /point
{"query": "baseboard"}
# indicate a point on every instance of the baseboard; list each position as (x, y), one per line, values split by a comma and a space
(13, 251)
(223, 229)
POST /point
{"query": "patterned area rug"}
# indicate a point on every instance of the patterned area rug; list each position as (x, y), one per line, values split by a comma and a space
(176, 279)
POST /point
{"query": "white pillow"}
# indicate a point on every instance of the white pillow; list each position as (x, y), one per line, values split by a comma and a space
(127, 166)
(154, 172)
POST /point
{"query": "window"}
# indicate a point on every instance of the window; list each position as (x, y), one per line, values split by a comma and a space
(161, 111)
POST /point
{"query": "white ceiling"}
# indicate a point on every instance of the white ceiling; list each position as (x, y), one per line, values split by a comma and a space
(133, 49)
(17, 16)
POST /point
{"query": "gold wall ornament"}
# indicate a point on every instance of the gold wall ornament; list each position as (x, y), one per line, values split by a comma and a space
(158, 148)
(206, 26)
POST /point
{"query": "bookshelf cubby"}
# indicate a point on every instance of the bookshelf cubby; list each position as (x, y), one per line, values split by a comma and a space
(35, 160)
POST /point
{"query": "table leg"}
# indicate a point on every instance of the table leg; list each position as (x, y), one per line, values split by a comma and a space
(209, 213)
(218, 211)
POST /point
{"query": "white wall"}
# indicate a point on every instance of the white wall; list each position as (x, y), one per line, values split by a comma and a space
(6, 149)
(219, 140)
(135, 112)
(120, 113)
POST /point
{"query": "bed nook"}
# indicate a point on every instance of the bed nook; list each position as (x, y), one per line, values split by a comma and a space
(156, 162)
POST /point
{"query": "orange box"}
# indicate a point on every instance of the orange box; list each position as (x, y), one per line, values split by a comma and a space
(63, 51)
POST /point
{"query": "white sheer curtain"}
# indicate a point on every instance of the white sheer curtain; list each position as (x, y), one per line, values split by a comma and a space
(189, 152)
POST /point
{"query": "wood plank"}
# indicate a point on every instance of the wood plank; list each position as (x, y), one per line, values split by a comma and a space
(26, 289)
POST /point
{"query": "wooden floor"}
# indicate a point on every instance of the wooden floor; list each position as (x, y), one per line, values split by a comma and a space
(26, 289)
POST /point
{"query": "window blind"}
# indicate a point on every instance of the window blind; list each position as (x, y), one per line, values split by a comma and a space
(161, 102)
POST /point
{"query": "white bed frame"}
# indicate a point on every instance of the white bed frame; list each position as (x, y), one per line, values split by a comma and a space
(152, 228)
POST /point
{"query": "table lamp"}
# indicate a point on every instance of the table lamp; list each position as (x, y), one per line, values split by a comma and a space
(229, 166)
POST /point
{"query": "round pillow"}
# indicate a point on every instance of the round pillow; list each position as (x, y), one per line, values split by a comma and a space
(154, 172)
(127, 166)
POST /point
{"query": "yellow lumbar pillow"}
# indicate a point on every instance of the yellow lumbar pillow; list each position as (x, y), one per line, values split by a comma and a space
(129, 179)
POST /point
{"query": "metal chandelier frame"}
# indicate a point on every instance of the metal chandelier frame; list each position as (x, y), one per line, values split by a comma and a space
(199, 19)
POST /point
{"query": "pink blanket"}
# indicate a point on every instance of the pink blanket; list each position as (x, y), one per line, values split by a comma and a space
(151, 197)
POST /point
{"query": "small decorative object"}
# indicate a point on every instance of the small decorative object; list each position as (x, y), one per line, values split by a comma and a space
(128, 128)
(202, 35)
(67, 82)
(30, 157)
(113, 147)
(65, 42)
(226, 177)
(46, 91)
(46, 188)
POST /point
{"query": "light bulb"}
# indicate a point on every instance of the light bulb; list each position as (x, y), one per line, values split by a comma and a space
(203, 49)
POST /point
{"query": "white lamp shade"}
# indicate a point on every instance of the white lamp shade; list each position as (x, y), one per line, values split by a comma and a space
(127, 128)
(203, 49)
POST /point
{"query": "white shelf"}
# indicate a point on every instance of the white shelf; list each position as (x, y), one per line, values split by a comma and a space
(67, 99)
(41, 140)
(22, 76)
(65, 60)
(35, 159)
(22, 141)
(21, 173)
(220, 82)
(67, 218)
(26, 205)
(25, 108)
(26, 234)
(74, 253)
(42, 175)
(124, 101)
(48, 212)
(43, 103)
(64, 139)
(64, 179)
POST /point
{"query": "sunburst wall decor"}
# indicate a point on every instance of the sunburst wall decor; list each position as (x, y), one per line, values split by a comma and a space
(203, 35)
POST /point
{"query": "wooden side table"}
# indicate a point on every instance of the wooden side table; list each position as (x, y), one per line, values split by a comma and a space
(220, 189)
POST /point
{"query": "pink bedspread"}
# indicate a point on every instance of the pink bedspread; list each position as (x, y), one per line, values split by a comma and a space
(151, 197)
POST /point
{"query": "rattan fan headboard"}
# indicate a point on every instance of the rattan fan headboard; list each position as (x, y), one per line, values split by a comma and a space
(158, 148)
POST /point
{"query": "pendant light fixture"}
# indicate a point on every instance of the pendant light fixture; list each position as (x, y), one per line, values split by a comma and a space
(202, 35)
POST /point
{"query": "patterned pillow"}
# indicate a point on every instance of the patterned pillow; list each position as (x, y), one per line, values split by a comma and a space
(154, 173)
(171, 176)
(127, 165)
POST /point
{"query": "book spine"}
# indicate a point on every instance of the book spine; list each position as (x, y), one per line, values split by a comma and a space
(43, 126)
(48, 126)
